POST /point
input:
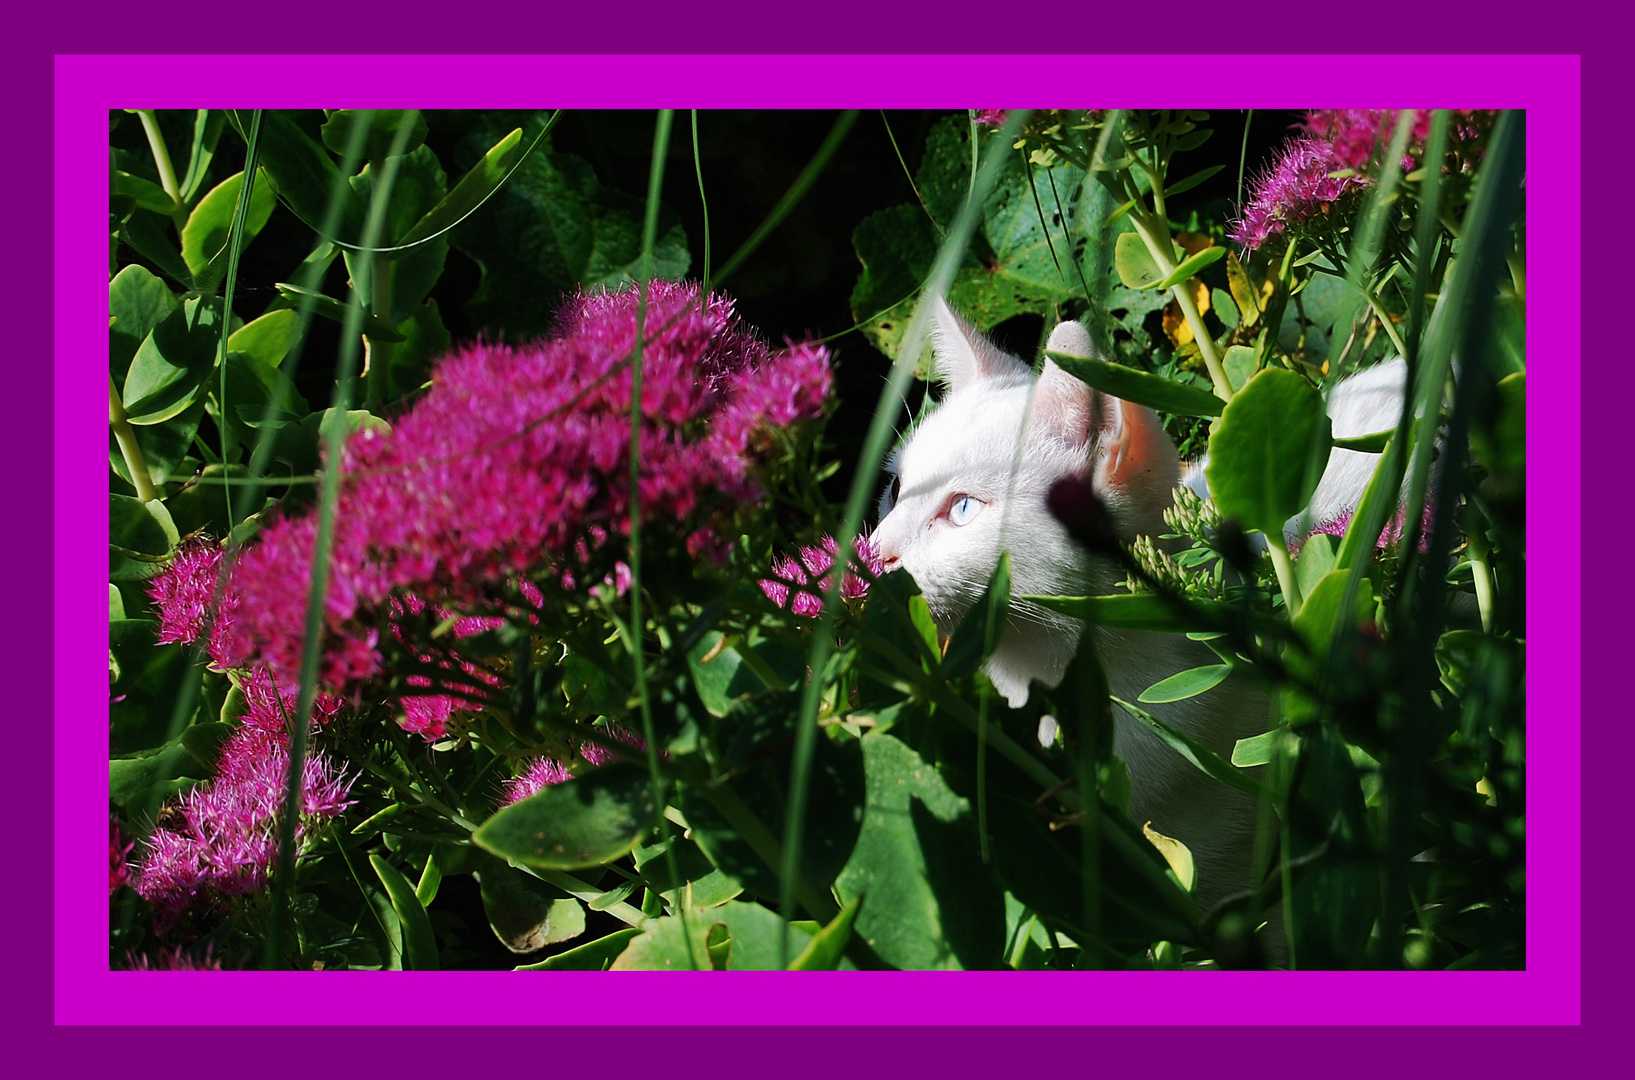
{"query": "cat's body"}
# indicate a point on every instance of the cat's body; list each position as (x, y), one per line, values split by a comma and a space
(971, 481)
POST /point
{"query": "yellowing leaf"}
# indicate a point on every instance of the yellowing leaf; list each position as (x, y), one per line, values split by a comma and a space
(1175, 323)
(1175, 853)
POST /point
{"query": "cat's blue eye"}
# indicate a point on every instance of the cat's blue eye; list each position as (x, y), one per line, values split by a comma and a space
(963, 509)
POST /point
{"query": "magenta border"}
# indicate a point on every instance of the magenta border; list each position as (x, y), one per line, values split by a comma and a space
(1548, 992)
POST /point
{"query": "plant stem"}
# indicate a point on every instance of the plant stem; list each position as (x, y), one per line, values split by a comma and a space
(128, 446)
(167, 172)
(1483, 579)
(584, 891)
(1154, 232)
(1385, 323)
(1279, 551)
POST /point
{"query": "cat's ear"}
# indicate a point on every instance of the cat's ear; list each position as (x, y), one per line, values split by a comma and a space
(1061, 403)
(1134, 452)
(963, 355)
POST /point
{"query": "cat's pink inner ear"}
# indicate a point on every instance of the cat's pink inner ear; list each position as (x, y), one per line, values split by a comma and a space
(1137, 455)
(963, 355)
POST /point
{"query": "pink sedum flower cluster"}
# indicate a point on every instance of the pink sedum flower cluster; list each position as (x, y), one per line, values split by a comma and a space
(220, 840)
(174, 959)
(1336, 155)
(789, 586)
(119, 873)
(1389, 536)
(1306, 179)
(515, 455)
(543, 772)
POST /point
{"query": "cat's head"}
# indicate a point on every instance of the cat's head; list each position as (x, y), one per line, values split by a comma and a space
(970, 481)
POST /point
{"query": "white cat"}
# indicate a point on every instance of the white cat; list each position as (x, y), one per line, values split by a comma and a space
(971, 480)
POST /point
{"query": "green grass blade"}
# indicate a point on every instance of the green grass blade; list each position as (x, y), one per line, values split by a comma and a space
(879, 434)
(796, 192)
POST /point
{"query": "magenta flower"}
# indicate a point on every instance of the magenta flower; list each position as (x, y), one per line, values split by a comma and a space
(1391, 534)
(1359, 136)
(1338, 154)
(1307, 178)
(220, 839)
(174, 959)
(539, 774)
(543, 772)
(515, 455)
(791, 577)
(597, 754)
(119, 873)
(188, 592)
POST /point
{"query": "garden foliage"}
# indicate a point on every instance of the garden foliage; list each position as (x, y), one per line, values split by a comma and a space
(517, 630)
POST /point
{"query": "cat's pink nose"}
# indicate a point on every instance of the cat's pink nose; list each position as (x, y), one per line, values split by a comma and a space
(887, 554)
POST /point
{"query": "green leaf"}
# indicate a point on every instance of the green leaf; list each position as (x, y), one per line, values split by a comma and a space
(130, 777)
(1221, 301)
(760, 790)
(149, 235)
(825, 951)
(1028, 257)
(525, 913)
(1205, 258)
(1502, 444)
(1199, 755)
(173, 362)
(1373, 443)
(1185, 684)
(419, 943)
(1317, 620)
(303, 174)
(426, 339)
(1177, 854)
(978, 632)
(1244, 296)
(701, 884)
(481, 181)
(418, 184)
(715, 668)
(589, 821)
(330, 308)
(140, 531)
(116, 603)
(208, 125)
(204, 238)
(593, 956)
(1192, 181)
(137, 302)
(267, 339)
(382, 128)
(165, 447)
(1239, 361)
(737, 935)
(1255, 750)
(1143, 611)
(929, 907)
(1135, 265)
(552, 228)
(1268, 450)
(143, 713)
(431, 877)
(148, 195)
(204, 741)
(1140, 387)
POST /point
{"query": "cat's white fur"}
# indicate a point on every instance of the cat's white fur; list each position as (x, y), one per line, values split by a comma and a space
(1002, 436)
